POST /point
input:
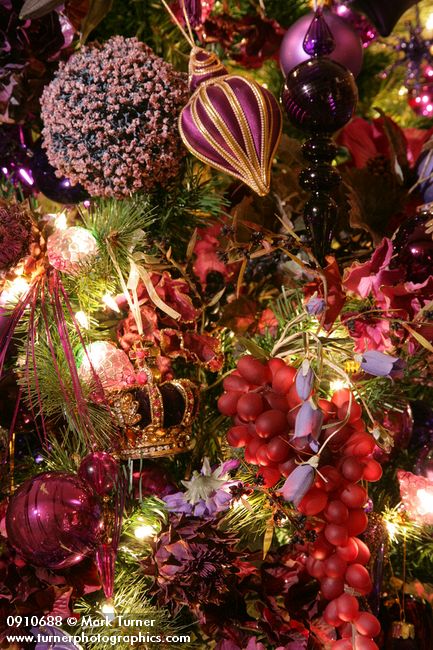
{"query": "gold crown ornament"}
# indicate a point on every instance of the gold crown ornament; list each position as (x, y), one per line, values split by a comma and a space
(155, 418)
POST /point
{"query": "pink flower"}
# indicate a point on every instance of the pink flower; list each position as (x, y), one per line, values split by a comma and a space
(368, 331)
(267, 323)
(206, 251)
(406, 299)
(370, 276)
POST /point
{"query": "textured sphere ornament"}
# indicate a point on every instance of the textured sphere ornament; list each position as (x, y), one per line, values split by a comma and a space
(56, 189)
(320, 96)
(111, 364)
(110, 118)
(348, 46)
(53, 520)
(413, 245)
(231, 123)
(15, 234)
(100, 471)
(70, 249)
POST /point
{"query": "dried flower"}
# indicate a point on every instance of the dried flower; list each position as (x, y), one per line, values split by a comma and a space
(194, 564)
(207, 493)
(15, 234)
(110, 118)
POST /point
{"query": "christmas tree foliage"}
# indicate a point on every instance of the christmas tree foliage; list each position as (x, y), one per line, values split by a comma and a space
(216, 324)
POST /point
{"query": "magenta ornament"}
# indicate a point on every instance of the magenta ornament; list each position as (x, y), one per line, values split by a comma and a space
(384, 14)
(100, 471)
(348, 46)
(53, 520)
(413, 247)
(230, 123)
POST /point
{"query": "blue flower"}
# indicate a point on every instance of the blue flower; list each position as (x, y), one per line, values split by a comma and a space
(304, 380)
(381, 364)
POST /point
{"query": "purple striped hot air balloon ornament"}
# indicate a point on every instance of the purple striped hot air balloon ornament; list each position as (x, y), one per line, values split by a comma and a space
(230, 123)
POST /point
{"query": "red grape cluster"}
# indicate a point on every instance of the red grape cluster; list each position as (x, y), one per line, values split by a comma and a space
(263, 401)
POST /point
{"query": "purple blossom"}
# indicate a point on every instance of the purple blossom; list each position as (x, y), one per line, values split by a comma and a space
(304, 380)
(381, 364)
(315, 306)
(298, 483)
(308, 424)
(207, 493)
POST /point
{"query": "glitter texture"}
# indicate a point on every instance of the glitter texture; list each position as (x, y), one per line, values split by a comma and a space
(110, 118)
(15, 233)
(70, 249)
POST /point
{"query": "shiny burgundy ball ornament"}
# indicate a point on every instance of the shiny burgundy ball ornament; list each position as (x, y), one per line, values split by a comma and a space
(413, 245)
(384, 14)
(53, 520)
(420, 99)
(348, 49)
(319, 97)
(100, 471)
(56, 189)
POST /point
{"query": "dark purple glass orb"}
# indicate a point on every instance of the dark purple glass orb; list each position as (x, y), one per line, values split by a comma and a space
(100, 471)
(320, 178)
(320, 96)
(56, 189)
(319, 150)
(318, 40)
(413, 247)
(53, 520)
(320, 215)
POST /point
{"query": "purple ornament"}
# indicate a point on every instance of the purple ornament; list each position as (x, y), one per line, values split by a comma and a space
(424, 171)
(320, 96)
(384, 14)
(53, 520)
(54, 188)
(100, 471)
(413, 246)
(348, 46)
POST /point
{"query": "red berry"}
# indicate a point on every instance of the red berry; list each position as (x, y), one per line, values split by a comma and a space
(331, 615)
(340, 397)
(271, 476)
(372, 470)
(354, 496)
(342, 644)
(332, 476)
(278, 449)
(271, 423)
(235, 383)
(347, 607)
(336, 512)
(352, 469)
(313, 502)
(321, 548)
(358, 577)
(317, 569)
(363, 556)
(349, 552)
(287, 467)
(332, 587)
(250, 406)
(357, 522)
(336, 534)
(355, 411)
(276, 401)
(367, 624)
(227, 403)
(293, 397)
(363, 643)
(238, 436)
(283, 380)
(335, 566)
(262, 456)
(275, 365)
(251, 450)
(253, 370)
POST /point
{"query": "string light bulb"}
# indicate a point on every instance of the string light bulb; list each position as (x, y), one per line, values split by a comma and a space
(109, 301)
(82, 319)
(144, 531)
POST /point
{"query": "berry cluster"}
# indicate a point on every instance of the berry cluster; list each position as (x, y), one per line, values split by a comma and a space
(265, 402)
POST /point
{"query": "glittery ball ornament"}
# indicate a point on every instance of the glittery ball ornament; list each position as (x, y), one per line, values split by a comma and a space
(420, 99)
(348, 46)
(413, 247)
(53, 520)
(15, 234)
(110, 364)
(71, 249)
(110, 118)
(230, 123)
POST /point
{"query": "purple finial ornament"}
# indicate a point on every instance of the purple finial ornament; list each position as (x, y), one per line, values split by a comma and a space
(319, 96)
(318, 40)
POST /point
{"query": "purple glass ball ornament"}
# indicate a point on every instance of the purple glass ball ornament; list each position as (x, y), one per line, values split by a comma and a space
(348, 46)
(53, 520)
(56, 189)
(320, 96)
(100, 471)
(413, 248)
